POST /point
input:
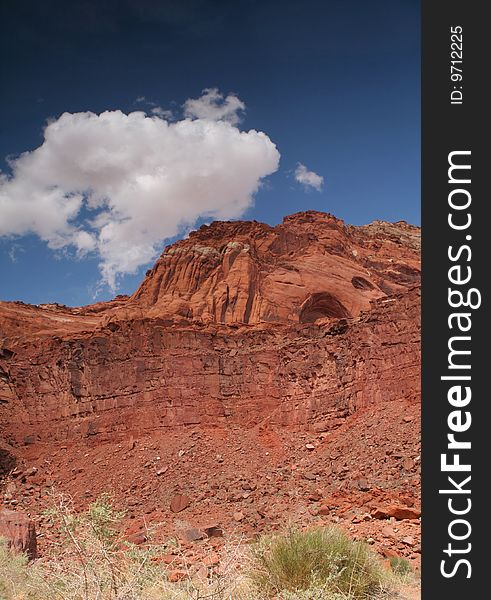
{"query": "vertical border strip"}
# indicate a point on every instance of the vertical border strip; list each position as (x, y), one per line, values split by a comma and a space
(454, 251)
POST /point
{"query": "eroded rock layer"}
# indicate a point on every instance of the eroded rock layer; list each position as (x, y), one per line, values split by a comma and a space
(135, 376)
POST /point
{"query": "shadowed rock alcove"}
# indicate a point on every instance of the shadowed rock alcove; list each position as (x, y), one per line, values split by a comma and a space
(321, 305)
(7, 460)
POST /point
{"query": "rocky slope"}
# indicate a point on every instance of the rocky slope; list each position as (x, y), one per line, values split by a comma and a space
(284, 358)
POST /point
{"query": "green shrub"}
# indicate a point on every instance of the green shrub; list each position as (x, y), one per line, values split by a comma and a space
(400, 565)
(93, 563)
(322, 558)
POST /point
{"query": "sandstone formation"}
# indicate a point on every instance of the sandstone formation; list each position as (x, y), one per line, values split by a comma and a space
(246, 347)
(131, 377)
(182, 350)
(311, 266)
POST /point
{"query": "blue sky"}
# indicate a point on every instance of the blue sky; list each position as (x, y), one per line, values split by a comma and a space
(333, 84)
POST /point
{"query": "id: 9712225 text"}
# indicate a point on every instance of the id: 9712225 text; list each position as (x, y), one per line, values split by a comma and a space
(456, 65)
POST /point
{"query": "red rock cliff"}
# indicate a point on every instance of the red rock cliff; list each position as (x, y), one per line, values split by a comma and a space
(310, 266)
(241, 322)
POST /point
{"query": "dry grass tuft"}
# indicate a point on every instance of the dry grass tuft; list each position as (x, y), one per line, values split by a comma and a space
(94, 564)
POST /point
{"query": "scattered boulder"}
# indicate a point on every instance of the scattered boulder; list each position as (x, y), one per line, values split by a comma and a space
(321, 426)
(179, 503)
(19, 531)
(408, 464)
(137, 538)
(388, 532)
(397, 512)
(363, 485)
(213, 531)
(167, 559)
(191, 535)
(177, 575)
(211, 560)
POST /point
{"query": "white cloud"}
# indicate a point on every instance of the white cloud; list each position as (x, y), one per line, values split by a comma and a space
(119, 184)
(212, 105)
(308, 178)
(155, 109)
(168, 115)
(14, 252)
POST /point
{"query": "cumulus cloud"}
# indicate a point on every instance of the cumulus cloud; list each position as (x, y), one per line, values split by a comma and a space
(212, 105)
(309, 179)
(155, 109)
(119, 184)
(166, 114)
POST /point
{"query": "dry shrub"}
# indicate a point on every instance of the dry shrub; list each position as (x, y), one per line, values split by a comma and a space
(92, 563)
(321, 562)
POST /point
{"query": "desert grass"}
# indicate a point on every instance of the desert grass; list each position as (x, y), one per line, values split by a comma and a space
(92, 563)
(323, 559)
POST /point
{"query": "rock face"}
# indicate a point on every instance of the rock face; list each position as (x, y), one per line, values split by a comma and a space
(19, 532)
(311, 266)
(258, 373)
(134, 376)
(304, 322)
